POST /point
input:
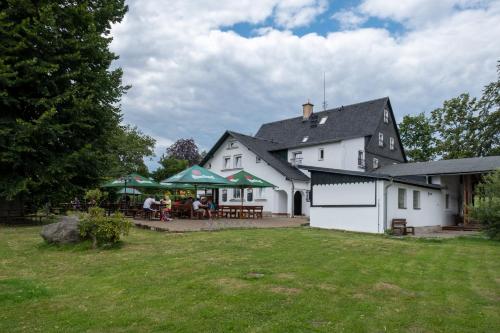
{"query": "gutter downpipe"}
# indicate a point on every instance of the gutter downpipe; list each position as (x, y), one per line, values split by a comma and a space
(386, 187)
(292, 198)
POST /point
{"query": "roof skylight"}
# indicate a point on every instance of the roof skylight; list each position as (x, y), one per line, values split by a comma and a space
(323, 120)
(305, 139)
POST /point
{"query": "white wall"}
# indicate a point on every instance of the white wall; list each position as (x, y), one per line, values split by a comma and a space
(431, 212)
(362, 219)
(345, 194)
(261, 170)
(338, 155)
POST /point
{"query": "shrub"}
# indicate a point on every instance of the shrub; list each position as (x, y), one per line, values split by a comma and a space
(486, 207)
(102, 229)
(94, 196)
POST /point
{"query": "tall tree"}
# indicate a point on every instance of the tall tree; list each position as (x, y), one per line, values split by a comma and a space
(58, 96)
(417, 138)
(128, 148)
(456, 127)
(184, 149)
(169, 166)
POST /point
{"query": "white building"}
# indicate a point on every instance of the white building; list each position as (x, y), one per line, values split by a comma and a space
(357, 137)
(346, 169)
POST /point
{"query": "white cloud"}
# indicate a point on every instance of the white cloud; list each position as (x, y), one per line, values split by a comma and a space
(349, 19)
(191, 79)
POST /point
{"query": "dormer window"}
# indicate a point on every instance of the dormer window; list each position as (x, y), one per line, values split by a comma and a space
(375, 163)
(304, 139)
(380, 139)
(391, 143)
(322, 121)
(386, 116)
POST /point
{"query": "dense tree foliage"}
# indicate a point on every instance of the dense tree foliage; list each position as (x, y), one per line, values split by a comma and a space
(463, 127)
(169, 166)
(417, 138)
(184, 149)
(129, 146)
(58, 96)
(486, 206)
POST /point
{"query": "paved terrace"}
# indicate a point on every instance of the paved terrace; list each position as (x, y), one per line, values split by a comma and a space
(184, 225)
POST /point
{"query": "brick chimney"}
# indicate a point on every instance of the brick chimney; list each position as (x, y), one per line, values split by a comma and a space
(307, 110)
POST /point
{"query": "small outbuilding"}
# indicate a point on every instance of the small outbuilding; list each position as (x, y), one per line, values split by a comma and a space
(426, 194)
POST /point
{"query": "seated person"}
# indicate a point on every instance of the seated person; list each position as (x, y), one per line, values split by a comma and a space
(200, 208)
(212, 207)
(148, 203)
(165, 213)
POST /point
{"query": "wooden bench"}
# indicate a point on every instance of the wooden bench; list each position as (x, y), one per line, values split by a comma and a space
(399, 226)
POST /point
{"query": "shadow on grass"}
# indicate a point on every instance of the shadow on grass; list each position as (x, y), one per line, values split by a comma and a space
(83, 246)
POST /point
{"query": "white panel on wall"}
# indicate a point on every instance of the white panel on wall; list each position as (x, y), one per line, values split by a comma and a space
(344, 194)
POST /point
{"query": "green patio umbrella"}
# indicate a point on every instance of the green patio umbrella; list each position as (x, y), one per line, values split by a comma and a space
(243, 179)
(129, 190)
(197, 176)
(133, 180)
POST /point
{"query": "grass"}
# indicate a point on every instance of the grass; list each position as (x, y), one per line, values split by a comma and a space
(274, 280)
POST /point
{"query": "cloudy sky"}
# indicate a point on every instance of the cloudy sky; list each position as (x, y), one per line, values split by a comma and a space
(200, 67)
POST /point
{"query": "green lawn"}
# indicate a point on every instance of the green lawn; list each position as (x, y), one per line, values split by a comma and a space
(274, 280)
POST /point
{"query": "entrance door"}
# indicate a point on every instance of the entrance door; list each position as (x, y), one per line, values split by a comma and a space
(297, 203)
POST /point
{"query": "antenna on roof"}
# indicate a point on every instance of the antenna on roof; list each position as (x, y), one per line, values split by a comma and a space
(324, 92)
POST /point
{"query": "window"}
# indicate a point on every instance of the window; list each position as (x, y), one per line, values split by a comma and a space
(209, 165)
(236, 193)
(232, 145)
(361, 159)
(386, 116)
(391, 143)
(237, 161)
(305, 139)
(321, 154)
(297, 158)
(258, 159)
(308, 196)
(227, 162)
(249, 194)
(380, 139)
(416, 199)
(322, 121)
(447, 201)
(224, 195)
(375, 163)
(401, 198)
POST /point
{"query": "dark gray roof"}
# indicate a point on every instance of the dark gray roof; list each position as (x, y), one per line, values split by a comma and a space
(402, 180)
(262, 149)
(443, 167)
(350, 121)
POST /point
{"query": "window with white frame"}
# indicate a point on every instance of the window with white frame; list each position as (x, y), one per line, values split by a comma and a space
(386, 116)
(249, 194)
(401, 198)
(258, 159)
(297, 158)
(375, 163)
(236, 193)
(237, 161)
(322, 121)
(227, 162)
(224, 195)
(416, 199)
(391, 143)
(361, 158)
(321, 154)
(308, 196)
(380, 139)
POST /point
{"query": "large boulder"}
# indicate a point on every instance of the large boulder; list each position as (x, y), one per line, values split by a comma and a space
(63, 232)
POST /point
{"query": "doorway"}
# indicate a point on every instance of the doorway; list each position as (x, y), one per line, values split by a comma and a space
(297, 203)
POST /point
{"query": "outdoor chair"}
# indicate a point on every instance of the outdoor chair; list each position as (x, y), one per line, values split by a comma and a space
(399, 227)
